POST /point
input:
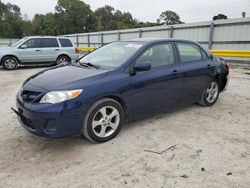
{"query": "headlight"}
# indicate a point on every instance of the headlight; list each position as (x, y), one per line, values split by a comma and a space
(54, 97)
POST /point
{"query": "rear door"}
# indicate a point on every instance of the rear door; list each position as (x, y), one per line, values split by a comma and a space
(159, 87)
(196, 71)
(50, 49)
(68, 48)
(32, 51)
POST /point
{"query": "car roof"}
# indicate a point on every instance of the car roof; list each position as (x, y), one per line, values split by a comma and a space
(46, 37)
(150, 40)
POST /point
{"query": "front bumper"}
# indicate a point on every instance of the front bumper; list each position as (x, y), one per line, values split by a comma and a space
(60, 120)
(1, 63)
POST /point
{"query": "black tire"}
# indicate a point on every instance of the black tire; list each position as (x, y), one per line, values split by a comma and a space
(62, 60)
(206, 98)
(91, 133)
(10, 63)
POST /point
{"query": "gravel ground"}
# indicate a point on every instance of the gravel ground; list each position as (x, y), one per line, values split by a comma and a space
(210, 146)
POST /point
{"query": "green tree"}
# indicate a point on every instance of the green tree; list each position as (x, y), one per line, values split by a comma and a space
(220, 17)
(45, 24)
(104, 16)
(27, 28)
(92, 23)
(72, 16)
(2, 11)
(110, 19)
(10, 21)
(170, 18)
(147, 24)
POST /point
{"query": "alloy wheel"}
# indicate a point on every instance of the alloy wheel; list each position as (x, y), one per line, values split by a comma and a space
(10, 64)
(212, 92)
(105, 121)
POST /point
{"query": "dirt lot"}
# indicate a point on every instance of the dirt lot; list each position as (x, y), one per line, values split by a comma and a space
(212, 146)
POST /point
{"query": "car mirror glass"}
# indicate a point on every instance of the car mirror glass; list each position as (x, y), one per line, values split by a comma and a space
(23, 46)
(142, 66)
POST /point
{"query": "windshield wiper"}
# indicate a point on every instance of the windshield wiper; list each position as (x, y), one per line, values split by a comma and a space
(90, 65)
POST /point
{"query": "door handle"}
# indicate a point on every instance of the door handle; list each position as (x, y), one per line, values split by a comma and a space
(57, 49)
(175, 73)
(38, 50)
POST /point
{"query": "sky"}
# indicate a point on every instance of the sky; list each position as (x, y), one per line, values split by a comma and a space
(189, 10)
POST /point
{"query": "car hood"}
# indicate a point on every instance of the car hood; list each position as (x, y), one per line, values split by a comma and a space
(65, 78)
(5, 48)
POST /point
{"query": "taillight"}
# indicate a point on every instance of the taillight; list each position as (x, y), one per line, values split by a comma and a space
(228, 67)
(77, 51)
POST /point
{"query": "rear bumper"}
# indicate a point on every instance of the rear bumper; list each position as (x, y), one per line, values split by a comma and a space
(52, 121)
(226, 84)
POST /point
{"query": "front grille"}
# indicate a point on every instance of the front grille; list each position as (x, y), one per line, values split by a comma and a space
(29, 96)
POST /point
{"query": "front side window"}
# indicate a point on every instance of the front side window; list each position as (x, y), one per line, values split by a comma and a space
(19, 42)
(65, 43)
(49, 43)
(158, 56)
(112, 55)
(189, 52)
(32, 43)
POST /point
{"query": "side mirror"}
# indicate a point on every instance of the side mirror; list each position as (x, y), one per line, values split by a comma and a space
(142, 66)
(23, 46)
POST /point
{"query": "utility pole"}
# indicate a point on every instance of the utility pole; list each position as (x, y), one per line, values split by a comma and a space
(243, 14)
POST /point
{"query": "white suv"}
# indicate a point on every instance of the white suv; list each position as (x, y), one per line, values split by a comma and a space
(34, 50)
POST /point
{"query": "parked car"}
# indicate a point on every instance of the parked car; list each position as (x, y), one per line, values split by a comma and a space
(117, 83)
(34, 50)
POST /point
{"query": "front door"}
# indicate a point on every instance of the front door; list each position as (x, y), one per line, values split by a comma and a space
(159, 87)
(30, 51)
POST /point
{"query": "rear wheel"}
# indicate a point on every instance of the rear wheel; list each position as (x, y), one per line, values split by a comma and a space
(210, 94)
(103, 121)
(10, 63)
(62, 60)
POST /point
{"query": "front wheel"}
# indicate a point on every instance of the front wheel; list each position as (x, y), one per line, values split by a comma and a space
(10, 63)
(210, 94)
(103, 121)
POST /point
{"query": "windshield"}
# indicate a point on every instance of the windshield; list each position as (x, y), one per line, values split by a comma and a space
(112, 55)
(19, 42)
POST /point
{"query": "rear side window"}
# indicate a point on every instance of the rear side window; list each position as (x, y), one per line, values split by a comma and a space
(65, 43)
(189, 52)
(49, 43)
(158, 55)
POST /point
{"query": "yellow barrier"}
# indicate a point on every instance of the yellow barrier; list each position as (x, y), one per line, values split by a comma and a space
(85, 49)
(231, 53)
(219, 53)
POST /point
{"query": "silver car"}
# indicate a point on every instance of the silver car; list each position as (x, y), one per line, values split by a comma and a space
(34, 50)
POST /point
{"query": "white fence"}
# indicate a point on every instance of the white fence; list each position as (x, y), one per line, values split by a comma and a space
(6, 42)
(231, 34)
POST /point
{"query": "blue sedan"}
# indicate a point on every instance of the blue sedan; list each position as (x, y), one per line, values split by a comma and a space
(117, 83)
